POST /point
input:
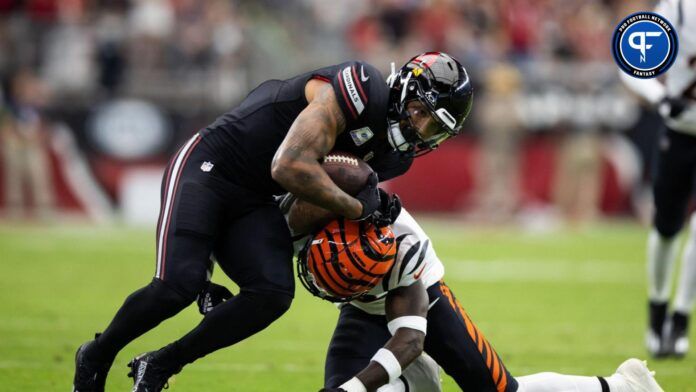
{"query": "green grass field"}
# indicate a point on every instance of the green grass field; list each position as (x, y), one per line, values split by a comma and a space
(570, 302)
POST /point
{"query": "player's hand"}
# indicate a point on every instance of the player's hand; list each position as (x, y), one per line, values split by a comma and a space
(389, 209)
(673, 107)
(212, 296)
(369, 197)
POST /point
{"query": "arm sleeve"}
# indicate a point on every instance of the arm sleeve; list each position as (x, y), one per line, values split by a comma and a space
(410, 259)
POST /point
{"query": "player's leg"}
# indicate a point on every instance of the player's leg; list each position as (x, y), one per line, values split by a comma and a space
(671, 193)
(255, 250)
(460, 348)
(464, 353)
(188, 220)
(632, 376)
(677, 339)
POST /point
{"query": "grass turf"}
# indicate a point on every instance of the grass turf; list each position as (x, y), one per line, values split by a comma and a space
(571, 302)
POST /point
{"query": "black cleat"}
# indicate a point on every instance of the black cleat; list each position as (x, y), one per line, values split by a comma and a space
(90, 375)
(148, 375)
(676, 341)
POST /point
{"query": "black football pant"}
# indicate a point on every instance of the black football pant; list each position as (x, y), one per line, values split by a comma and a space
(674, 182)
(203, 213)
(453, 341)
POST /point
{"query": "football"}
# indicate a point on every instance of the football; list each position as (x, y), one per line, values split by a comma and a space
(347, 171)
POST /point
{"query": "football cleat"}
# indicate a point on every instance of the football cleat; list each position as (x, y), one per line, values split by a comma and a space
(676, 341)
(147, 375)
(653, 344)
(637, 376)
(90, 375)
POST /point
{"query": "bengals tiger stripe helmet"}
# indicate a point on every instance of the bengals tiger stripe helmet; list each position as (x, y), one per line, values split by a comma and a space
(346, 259)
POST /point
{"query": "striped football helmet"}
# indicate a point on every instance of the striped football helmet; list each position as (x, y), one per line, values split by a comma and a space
(346, 259)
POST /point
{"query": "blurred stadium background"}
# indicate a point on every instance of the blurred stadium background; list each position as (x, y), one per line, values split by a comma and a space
(96, 95)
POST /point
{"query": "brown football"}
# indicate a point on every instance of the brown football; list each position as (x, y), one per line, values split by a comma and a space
(347, 171)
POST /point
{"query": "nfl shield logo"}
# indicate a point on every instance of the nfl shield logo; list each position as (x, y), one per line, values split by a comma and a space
(207, 166)
(361, 136)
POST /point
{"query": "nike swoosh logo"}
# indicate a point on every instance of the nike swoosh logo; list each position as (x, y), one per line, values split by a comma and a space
(418, 274)
(433, 303)
(363, 78)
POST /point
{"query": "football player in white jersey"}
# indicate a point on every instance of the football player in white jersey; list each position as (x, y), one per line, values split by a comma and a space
(395, 308)
(673, 187)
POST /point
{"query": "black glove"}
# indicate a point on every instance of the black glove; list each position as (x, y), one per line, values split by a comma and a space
(673, 107)
(332, 390)
(389, 209)
(369, 197)
(212, 296)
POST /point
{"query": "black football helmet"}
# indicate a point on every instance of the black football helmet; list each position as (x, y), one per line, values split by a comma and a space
(439, 82)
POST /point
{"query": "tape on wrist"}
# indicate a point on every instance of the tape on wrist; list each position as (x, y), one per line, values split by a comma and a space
(389, 362)
(353, 385)
(414, 322)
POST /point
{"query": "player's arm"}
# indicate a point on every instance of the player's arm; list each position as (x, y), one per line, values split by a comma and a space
(296, 165)
(406, 308)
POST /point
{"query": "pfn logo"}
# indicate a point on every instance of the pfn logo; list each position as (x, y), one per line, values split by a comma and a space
(644, 45)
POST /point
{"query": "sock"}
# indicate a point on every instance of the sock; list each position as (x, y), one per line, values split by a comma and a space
(142, 311)
(658, 314)
(617, 383)
(686, 289)
(680, 322)
(226, 324)
(661, 254)
(554, 382)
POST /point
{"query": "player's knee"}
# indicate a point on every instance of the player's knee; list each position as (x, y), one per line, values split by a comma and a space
(423, 374)
(271, 304)
(166, 294)
(667, 227)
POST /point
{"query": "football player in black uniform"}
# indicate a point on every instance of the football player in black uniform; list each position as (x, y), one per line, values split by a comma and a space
(217, 197)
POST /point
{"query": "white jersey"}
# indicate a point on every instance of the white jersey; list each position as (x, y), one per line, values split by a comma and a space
(682, 75)
(415, 260)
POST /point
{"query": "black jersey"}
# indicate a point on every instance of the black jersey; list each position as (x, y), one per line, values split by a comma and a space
(247, 137)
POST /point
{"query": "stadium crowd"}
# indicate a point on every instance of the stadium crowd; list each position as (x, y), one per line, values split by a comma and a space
(196, 58)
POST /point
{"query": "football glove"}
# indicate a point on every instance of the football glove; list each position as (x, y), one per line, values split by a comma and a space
(389, 209)
(673, 107)
(369, 197)
(212, 296)
(379, 208)
(332, 390)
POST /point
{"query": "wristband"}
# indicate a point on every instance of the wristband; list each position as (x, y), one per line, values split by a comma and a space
(389, 362)
(353, 385)
(413, 322)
